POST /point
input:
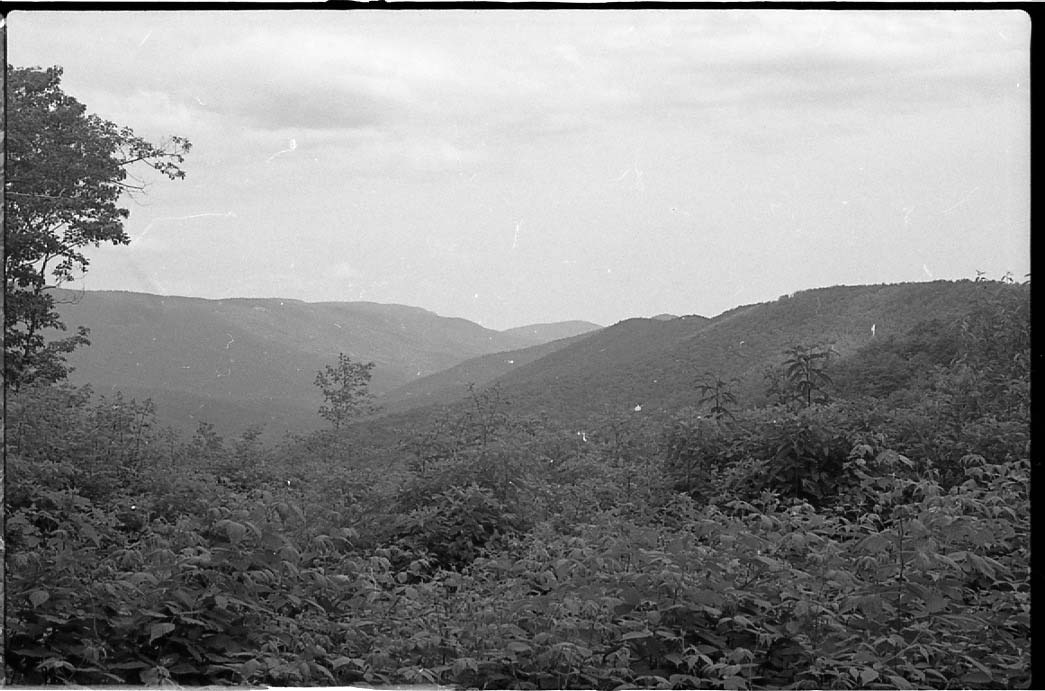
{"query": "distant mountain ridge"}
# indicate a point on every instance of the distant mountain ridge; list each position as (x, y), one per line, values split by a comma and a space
(240, 360)
(656, 363)
(545, 333)
(452, 384)
(739, 343)
(243, 361)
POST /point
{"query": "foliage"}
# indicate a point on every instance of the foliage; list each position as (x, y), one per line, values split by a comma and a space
(108, 438)
(344, 388)
(696, 452)
(719, 393)
(880, 541)
(892, 364)
(66, 170)
(996, 333)
(805, 373)
(458, 525)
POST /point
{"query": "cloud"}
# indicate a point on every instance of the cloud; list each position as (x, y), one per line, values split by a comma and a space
(151, 113)
(326, 72)
(434, 89)
(272, 106)
(834, 59)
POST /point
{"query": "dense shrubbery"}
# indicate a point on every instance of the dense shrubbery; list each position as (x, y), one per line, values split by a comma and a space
(877, 541)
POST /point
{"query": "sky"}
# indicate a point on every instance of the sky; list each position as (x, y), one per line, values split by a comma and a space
(526, 166)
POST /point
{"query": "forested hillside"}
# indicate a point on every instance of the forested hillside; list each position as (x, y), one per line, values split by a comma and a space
(241, 362)
(862, 521)
(553, 331)
(238, 362)
(657, 364)
(452, 384)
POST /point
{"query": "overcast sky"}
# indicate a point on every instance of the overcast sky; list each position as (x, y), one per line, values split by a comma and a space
(512, 167)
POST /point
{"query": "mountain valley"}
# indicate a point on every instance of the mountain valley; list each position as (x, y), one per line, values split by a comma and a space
(242, 362)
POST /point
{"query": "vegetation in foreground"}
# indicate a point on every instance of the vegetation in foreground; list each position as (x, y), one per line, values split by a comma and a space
(866, 528)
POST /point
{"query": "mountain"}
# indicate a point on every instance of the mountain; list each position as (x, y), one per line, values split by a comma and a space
(656, 363)
(452, 384)
(545, 333)
(240, 361)
(237, 362)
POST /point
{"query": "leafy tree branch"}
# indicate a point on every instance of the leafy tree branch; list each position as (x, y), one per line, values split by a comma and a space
(66, 171)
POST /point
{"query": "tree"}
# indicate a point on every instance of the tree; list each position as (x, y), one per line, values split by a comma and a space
(719, 393)
(804, 372)
(66, 172)
(776, 385)
(489, 413)
(344, 388)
